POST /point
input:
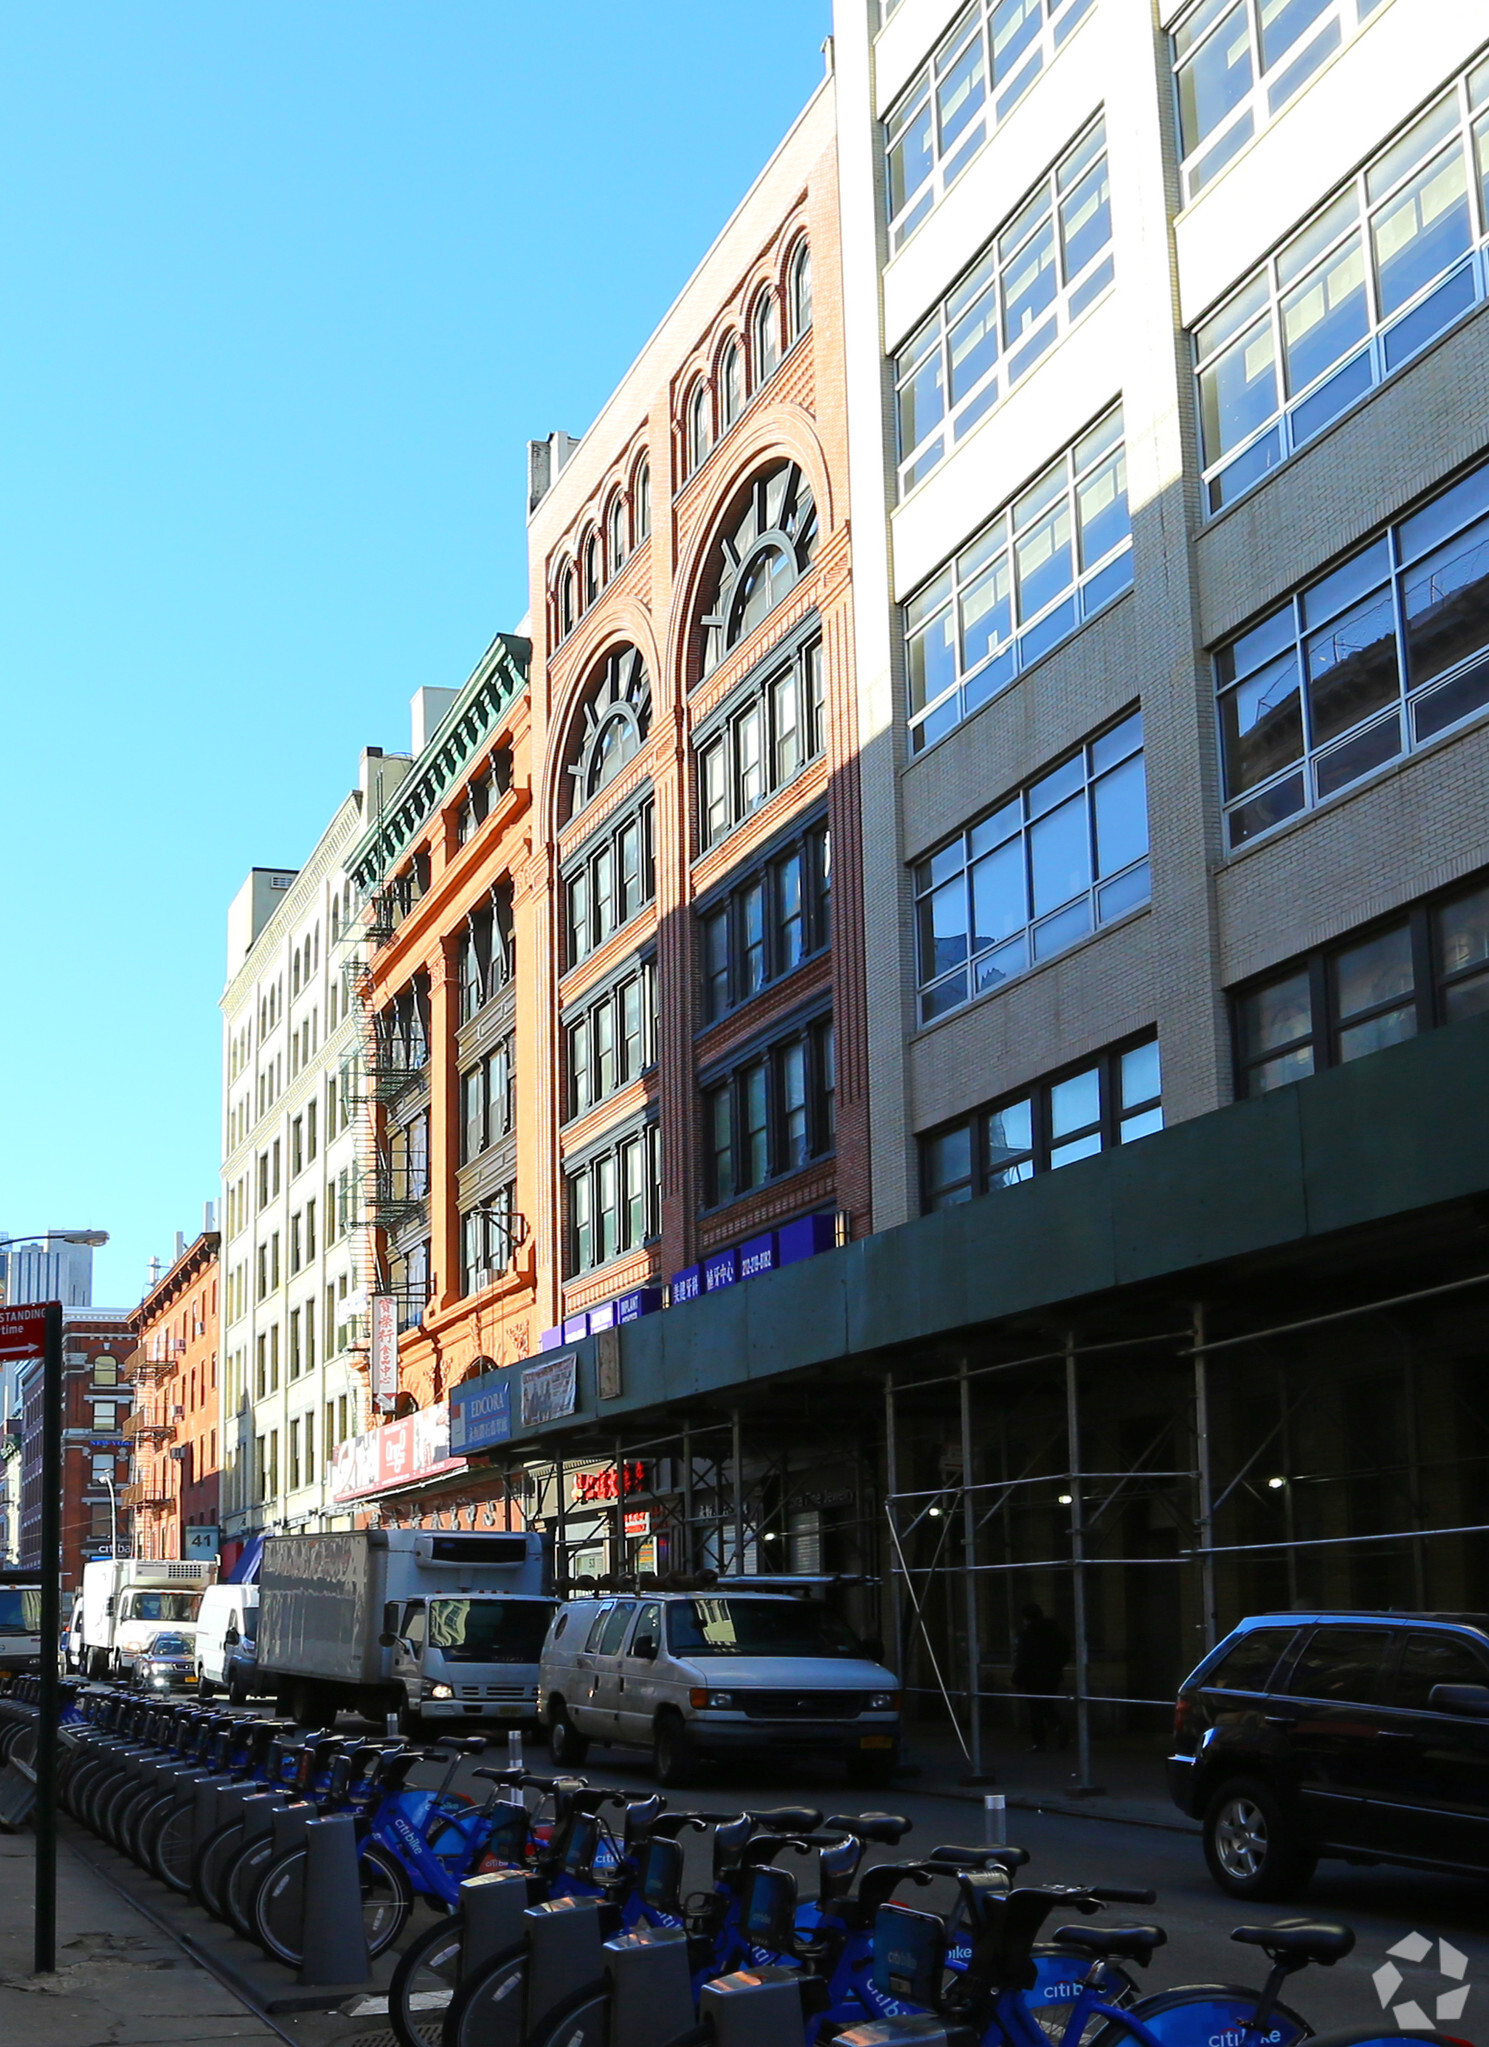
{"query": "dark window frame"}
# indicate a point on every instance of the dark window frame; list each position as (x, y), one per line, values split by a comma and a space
(581, 874)
(492, 1120)
(589, 1167)
(731, 1087)
(810, 842)
(798, 655)
(583, 1018)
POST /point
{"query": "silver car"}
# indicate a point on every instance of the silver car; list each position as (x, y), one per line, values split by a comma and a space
(718, 1673)
(166, 1662)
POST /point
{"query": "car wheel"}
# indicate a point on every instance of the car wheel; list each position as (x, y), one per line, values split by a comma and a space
(204, 1685)
(1253, 1844)
(567, 1746)
(672, 1753)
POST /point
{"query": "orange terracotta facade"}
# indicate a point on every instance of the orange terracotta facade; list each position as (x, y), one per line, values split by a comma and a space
(733, 413)
(175, 1423)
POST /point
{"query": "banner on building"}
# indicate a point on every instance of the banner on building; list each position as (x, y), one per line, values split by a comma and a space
(549, 1391)
(397, 1454)
(385, 1352)
(480, 1414)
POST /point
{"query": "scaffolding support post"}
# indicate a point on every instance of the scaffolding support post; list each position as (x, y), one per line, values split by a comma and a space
(969, 1575)
(737, 1460)
(618, 1525)
(891, 1493)
(1204, 1488)
(1084, 1781)
(561, 1532)
(686, 1561)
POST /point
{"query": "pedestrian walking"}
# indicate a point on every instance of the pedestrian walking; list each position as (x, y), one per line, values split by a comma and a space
(1039, 1658)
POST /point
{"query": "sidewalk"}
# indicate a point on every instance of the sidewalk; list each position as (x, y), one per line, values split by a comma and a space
(119, 1982)
(1130, 1774)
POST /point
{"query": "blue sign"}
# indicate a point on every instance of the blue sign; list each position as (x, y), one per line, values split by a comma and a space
(722, 1269)
(646, 1300)
(759, 1255)
(576, 1327)
(480, 1414)
(806, 1237)
(687, 1285)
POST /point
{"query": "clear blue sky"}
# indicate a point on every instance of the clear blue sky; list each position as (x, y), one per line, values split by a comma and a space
(288, 289)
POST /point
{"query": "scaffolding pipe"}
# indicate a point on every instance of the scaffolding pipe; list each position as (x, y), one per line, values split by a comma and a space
(686, 1561)
(969, 1560)
(891, 1481)
(1205, 1517)
(1078, 1562)
(738, 1463)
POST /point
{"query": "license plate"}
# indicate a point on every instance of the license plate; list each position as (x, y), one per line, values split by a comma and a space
(876, 1741)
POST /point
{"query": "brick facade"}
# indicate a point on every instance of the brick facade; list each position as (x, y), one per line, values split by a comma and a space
(174, 1481)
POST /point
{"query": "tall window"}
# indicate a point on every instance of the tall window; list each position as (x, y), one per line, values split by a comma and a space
(1050, 865)
(566, 601)
(1240, 62)
(769, 922)
(699, 439)
(766, 338)
(978, 73)
(613, 1201)
(612, 1040)
(610, 882)
(1379, 657)
(612, 726)
(1050, 560)
(487, 1240)
(769, 550)
(1110, 1100)
(641, 504)
(1039, 274)
(1413, 972)
(1369, 279)
(486, 952)
(801, 292)
(731, 385)
(772, 1115)
(593, 576)
(487, 1102)
(765, 734)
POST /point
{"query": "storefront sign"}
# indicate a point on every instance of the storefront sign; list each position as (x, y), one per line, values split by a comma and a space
(480, 1414)
(384, 1352)
(721, 1270)
(397, 1454)
(599, 1483)
(576, 1328)
(549, 1392)
(687, 1285)
(638, 1523)
(759, 1255)
(805, 1237)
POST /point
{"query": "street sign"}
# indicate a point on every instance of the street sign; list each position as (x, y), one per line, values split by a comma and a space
(385, 1352)
(23, 1330)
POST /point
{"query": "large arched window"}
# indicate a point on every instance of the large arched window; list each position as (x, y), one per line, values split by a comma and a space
(610, 728)
(761, 559)
(801, 292)
(731, 386)
(763, 331)
(641, 505)
(699, 440)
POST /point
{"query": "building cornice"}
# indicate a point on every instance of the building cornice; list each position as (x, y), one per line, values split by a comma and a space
(499, 679)
(193, 1264)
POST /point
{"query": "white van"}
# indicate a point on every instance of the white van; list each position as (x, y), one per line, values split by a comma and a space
(717, 1673)
(226, 1641)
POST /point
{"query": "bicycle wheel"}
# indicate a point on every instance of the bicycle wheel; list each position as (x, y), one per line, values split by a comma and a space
(1201, 2012)
(584, 2021)
(147, 1830)
(171, 1852)
(210, 1862)
(279, 1902)
(241, 1880)
(424, 1983)
(486, 2011)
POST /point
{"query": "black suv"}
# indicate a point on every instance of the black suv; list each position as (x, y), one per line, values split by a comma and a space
(1358, 1735)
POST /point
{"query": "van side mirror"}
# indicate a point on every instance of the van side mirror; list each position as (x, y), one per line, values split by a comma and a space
(872, 1648)
(1472, 1701)
(645, 1646)
(387, 1641)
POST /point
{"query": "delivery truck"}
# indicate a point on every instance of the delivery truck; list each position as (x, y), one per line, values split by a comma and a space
(443, 1629)
(126, 1599)
(20, 1620)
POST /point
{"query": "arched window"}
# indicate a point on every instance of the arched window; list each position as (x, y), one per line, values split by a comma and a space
(641, 505)
(801, 292)
(698, 435)
(592, 575)
(611, 726)
(768, 551)
(566, 601)
(731, 386)
(615, 532)
(767, 350)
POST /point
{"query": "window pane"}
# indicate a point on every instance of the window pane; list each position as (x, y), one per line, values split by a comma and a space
(1463, 933)
(931, 662)
(1378, 971)
(1086, 219)
(1429, 1660)
(720, 1126)
(1261, 725)
(973, 344)
(1238, 392)
(909, 158)
(961, 89)
(1030, 282)
(752, 935)
(1101, 500)
(1121, 816)
(1045, 560)
(1000, 896)
(1060, 855)
(785, 728)
(749, 768)
(1075, 1103)
(1009, 1137)
(1341, 1663)
(1352, 668)
(1215, 79)
(1275, 1016)
(922, 401)
(753, 1162)
(1283, 22)
(1138, 1075)
(943, 929)
(948, 1168)
(792, 1074)
(790, 921)
(1423, 230)
(986, 614)
(1447, 605)
(1324, 316)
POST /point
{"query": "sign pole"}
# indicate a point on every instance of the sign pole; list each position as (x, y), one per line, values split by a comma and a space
(50, 1700)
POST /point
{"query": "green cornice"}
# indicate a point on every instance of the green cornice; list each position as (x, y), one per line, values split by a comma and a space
(500, 677)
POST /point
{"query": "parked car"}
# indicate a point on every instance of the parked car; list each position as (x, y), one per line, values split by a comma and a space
(1361, 1736)
(226, 1647)
(165, 1662)
(714, 1674)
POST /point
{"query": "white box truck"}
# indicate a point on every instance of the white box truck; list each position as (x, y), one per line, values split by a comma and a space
(443, 1629)
(126, 1600)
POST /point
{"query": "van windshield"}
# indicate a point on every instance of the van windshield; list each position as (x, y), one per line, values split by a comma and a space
(757, 1627)
(20, 1609)
(163, 1606)
(489, 1630)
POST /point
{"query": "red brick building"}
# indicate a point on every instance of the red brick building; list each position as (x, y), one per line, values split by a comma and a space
(173, 1493)
(97, 1400)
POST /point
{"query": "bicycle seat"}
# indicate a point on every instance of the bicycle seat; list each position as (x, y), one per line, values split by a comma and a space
(464, 1745)
(888, 1828)
(1300, 1940)
(1114, 1943)
(512, 1776)
(959, 1856)
(788, 1819)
